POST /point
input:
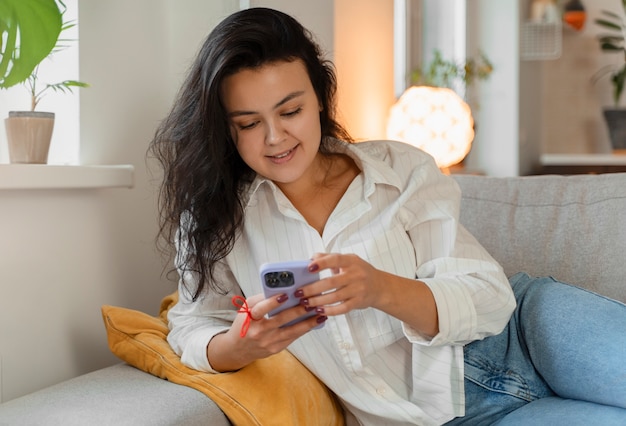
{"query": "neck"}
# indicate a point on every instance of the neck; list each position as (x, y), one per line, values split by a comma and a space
(314, 180)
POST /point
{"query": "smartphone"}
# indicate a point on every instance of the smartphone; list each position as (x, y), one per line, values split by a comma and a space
(286, 277)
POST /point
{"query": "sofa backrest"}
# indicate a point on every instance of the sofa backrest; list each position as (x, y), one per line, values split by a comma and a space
(570, 227)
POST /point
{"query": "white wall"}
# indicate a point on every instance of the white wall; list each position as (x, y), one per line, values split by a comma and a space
(65, 253)
(316, 15)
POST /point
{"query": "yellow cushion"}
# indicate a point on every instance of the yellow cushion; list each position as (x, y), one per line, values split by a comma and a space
(277, 390)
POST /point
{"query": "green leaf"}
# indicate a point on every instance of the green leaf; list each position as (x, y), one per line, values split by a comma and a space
(31, 29)
(608, 24)
(66, 86)
(611, 14)
(618, 79)
(611, 38)
(611, 47)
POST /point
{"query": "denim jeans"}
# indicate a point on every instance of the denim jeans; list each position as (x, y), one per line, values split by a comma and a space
(561, 360)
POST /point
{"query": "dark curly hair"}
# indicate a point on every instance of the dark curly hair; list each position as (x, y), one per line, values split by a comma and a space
(204, 177)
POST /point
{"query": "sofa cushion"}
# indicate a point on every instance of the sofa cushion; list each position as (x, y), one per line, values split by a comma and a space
(274, 390)
(570, 227)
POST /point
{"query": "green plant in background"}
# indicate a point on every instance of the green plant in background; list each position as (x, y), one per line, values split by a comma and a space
(445, 73)
(29, 30)
(29, 33)
(613, 41)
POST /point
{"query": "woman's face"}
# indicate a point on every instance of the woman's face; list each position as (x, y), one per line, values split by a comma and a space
(274, 119)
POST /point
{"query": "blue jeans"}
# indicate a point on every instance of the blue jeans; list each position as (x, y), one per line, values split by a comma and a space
(561, 360)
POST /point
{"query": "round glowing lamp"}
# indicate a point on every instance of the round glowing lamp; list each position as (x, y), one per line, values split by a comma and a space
(435, 120)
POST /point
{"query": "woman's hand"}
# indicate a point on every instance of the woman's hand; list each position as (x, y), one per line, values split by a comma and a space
(356, 284)
(231, 351)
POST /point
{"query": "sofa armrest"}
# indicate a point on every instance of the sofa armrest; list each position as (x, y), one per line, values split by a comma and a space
(117, 395)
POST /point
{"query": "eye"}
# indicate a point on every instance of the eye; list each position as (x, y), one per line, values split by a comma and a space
(292, 112)
(247, 126)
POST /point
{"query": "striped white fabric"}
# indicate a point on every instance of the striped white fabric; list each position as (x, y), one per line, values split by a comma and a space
(401, 215)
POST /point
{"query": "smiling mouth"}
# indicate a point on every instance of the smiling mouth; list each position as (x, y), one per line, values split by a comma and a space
(283, 155)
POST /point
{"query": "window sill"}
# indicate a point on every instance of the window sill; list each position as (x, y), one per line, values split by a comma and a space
(46, 176)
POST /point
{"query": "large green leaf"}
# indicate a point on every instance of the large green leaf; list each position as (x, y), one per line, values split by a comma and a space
(29, 30)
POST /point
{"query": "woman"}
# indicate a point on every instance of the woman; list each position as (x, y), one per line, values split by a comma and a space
(257, 169)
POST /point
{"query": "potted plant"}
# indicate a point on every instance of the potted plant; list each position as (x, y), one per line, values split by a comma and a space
(613, 41)
(459, 76)
(29, 33)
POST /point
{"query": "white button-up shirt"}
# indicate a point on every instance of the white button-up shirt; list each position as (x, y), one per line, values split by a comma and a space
(401, 215)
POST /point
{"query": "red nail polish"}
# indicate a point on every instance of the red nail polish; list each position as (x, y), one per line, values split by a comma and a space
(298, 293)
(304, 302)
(282, 298)
(313, 268)
(321, 319)
(319, 310)
(309, 308)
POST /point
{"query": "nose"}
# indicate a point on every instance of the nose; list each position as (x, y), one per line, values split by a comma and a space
(275, 133)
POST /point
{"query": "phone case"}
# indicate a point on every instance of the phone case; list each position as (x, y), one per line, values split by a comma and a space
(286, 277)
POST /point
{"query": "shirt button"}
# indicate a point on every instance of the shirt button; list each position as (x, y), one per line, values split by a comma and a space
(346, 345)
(381, 391)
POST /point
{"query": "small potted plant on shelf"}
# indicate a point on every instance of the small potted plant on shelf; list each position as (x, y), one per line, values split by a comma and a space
(613, 41)
(29, 33)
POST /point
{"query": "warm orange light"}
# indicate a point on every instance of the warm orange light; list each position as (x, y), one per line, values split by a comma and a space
(434, 119)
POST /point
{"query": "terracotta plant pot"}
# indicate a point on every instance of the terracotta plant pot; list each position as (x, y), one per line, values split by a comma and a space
(29, 134)
(616, 122)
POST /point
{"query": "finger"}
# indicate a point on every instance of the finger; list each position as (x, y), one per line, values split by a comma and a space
(332, 261)
(329, 298)
(260, 306)
(253, 300)
(292, 314)
(286, 335)
(325, 285)
(304, 326)
(318, 255)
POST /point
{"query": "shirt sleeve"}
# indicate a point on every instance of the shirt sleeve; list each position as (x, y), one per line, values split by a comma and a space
(473, 296)
(193, 324)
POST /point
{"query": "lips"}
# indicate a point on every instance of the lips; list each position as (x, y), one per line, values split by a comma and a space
(282, 157)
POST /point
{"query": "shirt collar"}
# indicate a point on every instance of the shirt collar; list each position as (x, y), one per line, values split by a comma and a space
(371, 158)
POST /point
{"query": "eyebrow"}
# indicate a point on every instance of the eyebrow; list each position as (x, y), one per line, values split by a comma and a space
(283, 101)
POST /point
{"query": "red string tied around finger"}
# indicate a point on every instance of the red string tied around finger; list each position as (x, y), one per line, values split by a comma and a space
(242, 304)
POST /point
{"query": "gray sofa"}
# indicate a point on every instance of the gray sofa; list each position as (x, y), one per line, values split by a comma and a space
(572, 228)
